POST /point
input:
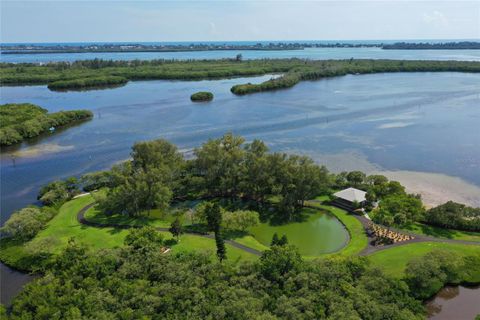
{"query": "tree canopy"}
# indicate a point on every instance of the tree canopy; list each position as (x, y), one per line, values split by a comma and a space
(139, 282)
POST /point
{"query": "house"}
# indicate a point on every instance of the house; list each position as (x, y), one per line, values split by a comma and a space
(350, 199)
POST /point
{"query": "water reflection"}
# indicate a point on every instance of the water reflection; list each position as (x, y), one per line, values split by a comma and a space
(455, 302)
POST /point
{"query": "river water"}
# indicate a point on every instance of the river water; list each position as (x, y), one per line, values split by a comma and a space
(455, 302)
(418, 122)
(308, 53)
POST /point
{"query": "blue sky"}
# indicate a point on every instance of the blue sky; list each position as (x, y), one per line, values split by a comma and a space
(78, 21)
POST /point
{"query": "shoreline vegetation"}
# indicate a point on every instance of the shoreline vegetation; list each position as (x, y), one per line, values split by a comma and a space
(286, 46)
(81, 74)
(232, 191)
(20, 122)
(87, 83)
(201, 96)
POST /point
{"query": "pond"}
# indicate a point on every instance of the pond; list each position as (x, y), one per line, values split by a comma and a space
(455, 302)
(317, 234)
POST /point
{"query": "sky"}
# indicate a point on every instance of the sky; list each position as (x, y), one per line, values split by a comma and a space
(120, 21)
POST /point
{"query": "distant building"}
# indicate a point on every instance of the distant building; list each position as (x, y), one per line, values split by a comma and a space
(346, 199)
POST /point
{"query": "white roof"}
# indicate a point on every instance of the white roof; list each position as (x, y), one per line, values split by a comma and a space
(351, 194)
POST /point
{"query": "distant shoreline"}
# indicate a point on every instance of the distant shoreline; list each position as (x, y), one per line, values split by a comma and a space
(280, 46)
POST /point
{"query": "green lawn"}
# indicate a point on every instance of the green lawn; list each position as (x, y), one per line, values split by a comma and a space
(432, 231)
(65, 226)
(155, 218)
(318, 235)
(358, 238)
(394, 260)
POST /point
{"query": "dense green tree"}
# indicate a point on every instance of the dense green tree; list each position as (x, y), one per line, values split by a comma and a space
(220, 243)
(144, 238)
(275, 240)
(147, 181)
(399, 210)
(213, 216)
(129, 283)
(176, 228)
(240, 219)
(283, 241)
(356, 178)
(24, 224)
(257, 181)
(219, 162)
(57, 192)
(428, 274)
(23, 121)
(96, 180)
(280, 261)
(454, 215)
(376, 180)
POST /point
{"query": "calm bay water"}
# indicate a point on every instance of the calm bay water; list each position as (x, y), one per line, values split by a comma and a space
(418, 121)
(308, 53)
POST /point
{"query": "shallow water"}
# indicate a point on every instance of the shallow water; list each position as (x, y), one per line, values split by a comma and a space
(417, 121)
(455, 302)
(308, 53)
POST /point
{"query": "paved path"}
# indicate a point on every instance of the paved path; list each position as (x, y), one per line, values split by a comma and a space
(417, 237)
(364, 221)
(81, 219)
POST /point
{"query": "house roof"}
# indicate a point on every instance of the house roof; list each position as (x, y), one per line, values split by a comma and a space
(351, 194)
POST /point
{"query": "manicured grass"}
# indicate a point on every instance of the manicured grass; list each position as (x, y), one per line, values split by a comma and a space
(315, 234)
(65, 226)
(155, 219)
(358, 238)
(199, 244)
(251, 242)
(438, 232)
(394, 260)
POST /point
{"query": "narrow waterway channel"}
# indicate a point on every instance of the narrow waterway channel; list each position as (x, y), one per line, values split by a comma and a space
(455, 303)
(11, 283)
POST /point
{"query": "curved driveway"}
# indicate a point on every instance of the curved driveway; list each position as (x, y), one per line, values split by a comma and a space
(364, 221)
(81, 219)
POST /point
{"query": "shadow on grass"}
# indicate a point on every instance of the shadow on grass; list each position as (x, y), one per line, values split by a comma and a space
(233, 234)
(433, 231)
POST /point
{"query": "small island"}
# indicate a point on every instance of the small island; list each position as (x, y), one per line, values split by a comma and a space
(462, 45)
(91, 83)
(201, 96)
(24, 121)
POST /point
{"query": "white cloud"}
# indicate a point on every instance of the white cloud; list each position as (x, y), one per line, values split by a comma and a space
(436, 18)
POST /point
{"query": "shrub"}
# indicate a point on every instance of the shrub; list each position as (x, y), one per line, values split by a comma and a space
(454, 215)
(24, 224)
(87, 83)
(202, 96)
(31, 121)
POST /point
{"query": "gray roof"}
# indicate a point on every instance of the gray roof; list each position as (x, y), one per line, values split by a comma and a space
(351, 194)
